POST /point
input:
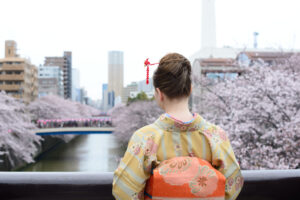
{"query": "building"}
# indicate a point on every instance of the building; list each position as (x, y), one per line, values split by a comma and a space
(75, 84)
(118, 100)
(142, 86)
(133, 87)
(115, 73)
(217, 62)
(251, 57)
(50, 81)
(230, 67)
(78, 95)
(219, 67)
(83, 96)
(208, 36)
(65, 63)
(104, 103)
(111, 99)
(18, 77)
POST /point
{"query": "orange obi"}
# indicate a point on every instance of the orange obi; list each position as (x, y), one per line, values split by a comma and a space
(185, 178)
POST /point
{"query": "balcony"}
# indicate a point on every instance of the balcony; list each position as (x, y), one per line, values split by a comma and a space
(19, 67)
(12, 77)
(259, 185)
(11, 87)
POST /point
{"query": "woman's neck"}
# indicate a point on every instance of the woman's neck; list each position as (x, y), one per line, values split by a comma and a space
(179, 110)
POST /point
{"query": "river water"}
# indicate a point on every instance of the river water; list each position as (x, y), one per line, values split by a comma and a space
(94, 152)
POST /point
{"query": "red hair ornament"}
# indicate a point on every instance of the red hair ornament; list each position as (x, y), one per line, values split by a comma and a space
(147, 64)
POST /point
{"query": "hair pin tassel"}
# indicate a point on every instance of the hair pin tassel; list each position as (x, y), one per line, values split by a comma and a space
(147, 64)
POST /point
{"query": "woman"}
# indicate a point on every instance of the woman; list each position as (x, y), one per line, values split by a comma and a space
(176, 133)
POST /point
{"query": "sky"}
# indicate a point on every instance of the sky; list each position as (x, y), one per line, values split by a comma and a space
(140, 28)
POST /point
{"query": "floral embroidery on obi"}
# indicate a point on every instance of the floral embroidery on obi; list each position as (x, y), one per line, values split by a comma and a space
(185, 178)
(205, 182)
(179, 166)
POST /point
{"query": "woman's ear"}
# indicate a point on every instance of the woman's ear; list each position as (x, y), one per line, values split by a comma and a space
(160, 94)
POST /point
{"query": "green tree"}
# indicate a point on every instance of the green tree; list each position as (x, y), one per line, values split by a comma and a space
(142, 96)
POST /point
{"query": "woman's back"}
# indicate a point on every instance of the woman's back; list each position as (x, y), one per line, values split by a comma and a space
(167, 138)
(181, 139)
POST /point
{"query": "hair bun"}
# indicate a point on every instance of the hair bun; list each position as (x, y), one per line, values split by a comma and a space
(172, 76)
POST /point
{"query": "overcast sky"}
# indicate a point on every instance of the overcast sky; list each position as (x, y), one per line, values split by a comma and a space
(140, 28)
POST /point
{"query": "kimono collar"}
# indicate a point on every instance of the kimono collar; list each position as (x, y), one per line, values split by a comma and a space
(170, 124)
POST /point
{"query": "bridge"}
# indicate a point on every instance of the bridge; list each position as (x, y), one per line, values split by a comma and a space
(74, 130)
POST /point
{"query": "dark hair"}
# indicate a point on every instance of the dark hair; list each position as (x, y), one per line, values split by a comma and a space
(173, 76)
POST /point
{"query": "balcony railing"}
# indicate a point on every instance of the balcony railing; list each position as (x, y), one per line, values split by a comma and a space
(18, 67)
(259, 185)
(10, 87)
(12, 77)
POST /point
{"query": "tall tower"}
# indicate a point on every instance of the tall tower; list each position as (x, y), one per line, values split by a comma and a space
(208, 24)
(115, 72)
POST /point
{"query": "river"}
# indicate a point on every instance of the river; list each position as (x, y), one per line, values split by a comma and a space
(94, 152)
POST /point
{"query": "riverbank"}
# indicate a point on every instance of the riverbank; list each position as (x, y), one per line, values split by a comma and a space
(10, 162)
(87, 152)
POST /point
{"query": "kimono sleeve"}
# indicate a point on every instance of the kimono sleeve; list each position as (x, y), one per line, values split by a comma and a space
(134, 168)
(224, 160)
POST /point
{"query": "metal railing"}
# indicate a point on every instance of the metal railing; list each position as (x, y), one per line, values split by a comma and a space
(259, 184)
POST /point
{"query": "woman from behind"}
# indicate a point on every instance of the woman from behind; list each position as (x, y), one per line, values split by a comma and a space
(180, 155)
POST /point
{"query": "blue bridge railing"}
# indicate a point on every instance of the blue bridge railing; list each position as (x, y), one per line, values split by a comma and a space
(75, 131)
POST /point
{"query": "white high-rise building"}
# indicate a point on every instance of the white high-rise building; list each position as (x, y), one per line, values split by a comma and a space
(208, 38)
(208, 24)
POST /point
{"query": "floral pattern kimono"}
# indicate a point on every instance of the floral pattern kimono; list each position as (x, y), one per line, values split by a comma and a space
(167, 138)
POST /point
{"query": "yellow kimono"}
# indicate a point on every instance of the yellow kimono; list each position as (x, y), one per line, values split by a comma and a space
(167, 138)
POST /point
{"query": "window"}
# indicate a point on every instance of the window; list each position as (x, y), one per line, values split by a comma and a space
(244, 60)
(215, 75)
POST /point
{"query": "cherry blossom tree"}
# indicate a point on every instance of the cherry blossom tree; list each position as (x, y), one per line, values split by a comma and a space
(260, 112)
(54, 107)
(128, 119)
(18, 142)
